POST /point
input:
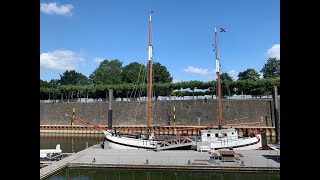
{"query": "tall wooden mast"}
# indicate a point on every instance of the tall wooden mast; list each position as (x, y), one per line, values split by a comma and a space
(149, 91)
(219, 113)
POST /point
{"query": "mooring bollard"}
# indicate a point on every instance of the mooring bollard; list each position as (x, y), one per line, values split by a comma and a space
(147, 161)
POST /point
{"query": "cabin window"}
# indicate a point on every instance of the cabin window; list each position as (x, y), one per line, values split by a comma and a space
(208, 135)
(232, 133)
(217, 135)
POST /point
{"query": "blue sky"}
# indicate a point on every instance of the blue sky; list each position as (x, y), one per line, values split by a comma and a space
(78, 34)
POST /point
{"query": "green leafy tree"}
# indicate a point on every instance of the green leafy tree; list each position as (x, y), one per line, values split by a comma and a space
(132, 72)
(44, 83)
(271, 69)
(225, 81)
(225, 77)
(249, 74)
(161, 74)
(54, 83)
(193, 85)
(73, 78)
(108, 72)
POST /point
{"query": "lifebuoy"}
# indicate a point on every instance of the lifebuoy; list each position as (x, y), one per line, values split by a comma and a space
(257, 137)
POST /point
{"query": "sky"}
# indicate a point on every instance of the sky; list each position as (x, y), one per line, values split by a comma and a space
(79, 34)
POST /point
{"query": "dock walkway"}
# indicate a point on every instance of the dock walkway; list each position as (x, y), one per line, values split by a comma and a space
(97, 157)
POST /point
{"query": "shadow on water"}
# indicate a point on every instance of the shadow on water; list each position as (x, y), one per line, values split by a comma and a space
(273, 157)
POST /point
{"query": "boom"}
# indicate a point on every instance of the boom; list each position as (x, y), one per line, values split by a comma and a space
(87, 122)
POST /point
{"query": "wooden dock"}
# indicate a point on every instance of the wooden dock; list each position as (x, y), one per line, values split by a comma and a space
(96, 157)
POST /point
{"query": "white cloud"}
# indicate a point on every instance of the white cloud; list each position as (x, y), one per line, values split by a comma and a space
(60, 60)
(194, 70)
(274, 51)
(233, 74)
(98, 60)
(53, 8)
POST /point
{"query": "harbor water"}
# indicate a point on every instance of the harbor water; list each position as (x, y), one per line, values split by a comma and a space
(143, 174)
(69, 143)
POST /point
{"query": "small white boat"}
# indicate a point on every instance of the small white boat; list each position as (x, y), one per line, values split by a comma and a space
(49, 153)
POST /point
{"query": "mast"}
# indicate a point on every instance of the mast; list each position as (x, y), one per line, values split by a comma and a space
(219, 113)
(149, 90)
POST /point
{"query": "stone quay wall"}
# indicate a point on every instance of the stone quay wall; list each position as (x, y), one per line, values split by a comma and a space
(187, 112)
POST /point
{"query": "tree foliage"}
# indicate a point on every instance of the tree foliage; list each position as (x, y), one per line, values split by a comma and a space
(73, 78)
(44, 83)
(249, 87)
(132, 72)
(249, 74)
(161, 74)
(108, 72)
(225, 77)
(271, 69)
(54, 83)
(123, 80)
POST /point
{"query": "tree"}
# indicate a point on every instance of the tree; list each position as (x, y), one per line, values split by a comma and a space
(44, 83)
(54, 83)
(108, 72)
(132, 72)
(161, 74)
(225, 80)
(271, 69)
(249, 74)
(225, 77)
(73, 78)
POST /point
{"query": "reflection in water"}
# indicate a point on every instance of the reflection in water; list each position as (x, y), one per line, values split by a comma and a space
(129, 174)
(69, 142)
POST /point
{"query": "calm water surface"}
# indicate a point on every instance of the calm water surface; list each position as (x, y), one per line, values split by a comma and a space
(129, 174)
(69, 142)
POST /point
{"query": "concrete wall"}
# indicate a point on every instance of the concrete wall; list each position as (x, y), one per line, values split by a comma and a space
(188, 112)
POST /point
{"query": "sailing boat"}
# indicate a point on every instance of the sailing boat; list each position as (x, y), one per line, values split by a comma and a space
(114, 140)
(211, 139)
(225, 138)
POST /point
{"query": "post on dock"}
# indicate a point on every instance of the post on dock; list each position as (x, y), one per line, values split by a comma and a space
(271, 114)
(174, 116)
(264, 140)
(276, 114)
(72, 119)
(110, 109)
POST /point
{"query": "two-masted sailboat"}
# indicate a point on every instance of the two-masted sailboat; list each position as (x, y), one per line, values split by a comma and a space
(211, 139)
